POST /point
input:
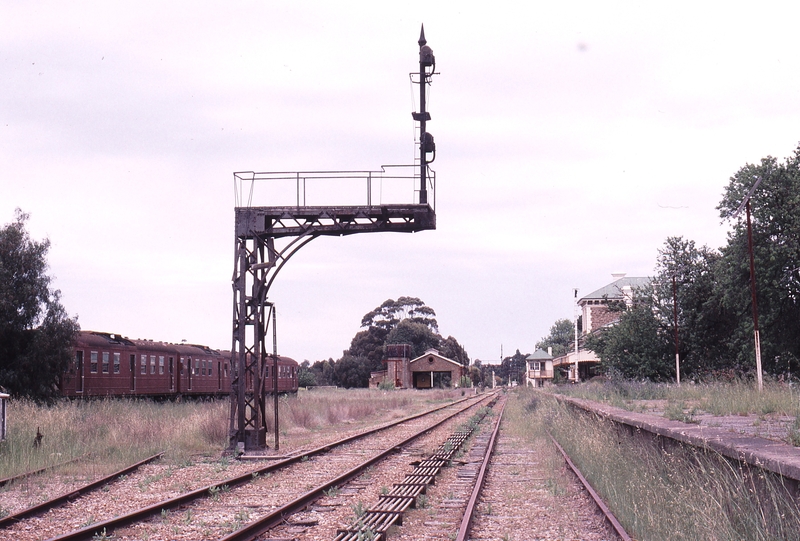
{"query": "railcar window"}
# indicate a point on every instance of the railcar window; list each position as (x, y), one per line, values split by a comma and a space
(160, 364)
(183, 362)
(93, 363)
(105, 362)
(196, 367)
(144, 364)
(203, 367)
(152, 364)
(210, 370)
(116, 363)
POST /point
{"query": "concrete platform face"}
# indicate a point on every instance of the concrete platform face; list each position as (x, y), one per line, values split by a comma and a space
(774, 456)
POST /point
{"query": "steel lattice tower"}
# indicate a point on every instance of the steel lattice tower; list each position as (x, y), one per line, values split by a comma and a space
(268, 236)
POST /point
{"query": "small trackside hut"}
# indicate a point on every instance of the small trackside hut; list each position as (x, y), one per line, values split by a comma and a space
(540, 368)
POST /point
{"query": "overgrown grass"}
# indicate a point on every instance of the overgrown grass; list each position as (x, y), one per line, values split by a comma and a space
(674, 492)
(318, 408)
(112, 433)
(115, 432)
(728, 398)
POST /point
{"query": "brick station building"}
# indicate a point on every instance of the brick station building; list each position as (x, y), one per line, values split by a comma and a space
(429, 370)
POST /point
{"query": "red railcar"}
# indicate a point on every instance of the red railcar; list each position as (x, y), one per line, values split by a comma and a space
(106, 364)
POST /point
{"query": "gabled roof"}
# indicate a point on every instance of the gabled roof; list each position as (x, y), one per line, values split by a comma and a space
(615, 288)
(539, 355)
(434, 353)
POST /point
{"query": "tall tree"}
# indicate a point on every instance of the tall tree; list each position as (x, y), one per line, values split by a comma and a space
(561, 338)
(420, 336)
(36, 333)
(686, 283)
(391, 312)
(775, 207)
(406, 320)
(450, 348)
(512, 368)
(636, 347)
(351, 371)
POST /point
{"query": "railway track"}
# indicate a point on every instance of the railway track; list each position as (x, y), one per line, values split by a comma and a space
(507, 489)
(393, 484)
(213, 510)
(72, 494)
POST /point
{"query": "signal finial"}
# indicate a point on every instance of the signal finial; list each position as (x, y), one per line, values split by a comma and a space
(422, 41)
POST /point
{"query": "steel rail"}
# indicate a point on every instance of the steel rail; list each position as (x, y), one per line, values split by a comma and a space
(69, 496)
(595, 496)
(469, 512)
(109, 525)
(375, 523)
(255, 529)
(8, 480)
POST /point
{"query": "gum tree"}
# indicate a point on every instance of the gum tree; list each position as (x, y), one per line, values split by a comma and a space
(36, 333)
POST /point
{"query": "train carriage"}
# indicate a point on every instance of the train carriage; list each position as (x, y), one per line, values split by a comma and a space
(203, 371)
(100, 366)
(106, 364)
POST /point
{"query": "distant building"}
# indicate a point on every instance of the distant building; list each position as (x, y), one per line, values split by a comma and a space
(539, 368)
(599, 309)
(429, 370)
(603, 307)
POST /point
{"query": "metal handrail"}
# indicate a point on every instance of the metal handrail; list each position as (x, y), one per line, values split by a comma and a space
(300, 178)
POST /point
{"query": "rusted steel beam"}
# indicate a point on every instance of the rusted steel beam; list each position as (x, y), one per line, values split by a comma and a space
(278, 222)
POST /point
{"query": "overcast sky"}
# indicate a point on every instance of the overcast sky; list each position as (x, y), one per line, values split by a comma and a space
(572, 139)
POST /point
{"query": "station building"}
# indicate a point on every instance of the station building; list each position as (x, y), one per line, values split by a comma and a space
(599, 309)
(431, 370)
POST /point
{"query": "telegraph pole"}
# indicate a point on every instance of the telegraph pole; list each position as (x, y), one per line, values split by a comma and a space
(675, 324)
(756, 337)
(575, 317)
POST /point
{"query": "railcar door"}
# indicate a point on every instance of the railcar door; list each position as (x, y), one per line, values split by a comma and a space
(171, 374)
(79, 370)
(133, 371)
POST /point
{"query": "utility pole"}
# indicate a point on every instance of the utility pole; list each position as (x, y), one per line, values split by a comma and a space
(756, 337)
(575, 317)
(675, 325)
